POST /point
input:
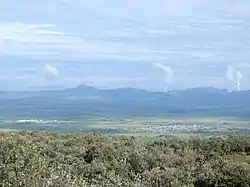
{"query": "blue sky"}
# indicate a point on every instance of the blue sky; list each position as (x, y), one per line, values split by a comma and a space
(110, 43)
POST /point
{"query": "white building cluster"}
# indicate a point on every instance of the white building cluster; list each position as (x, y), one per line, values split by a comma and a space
(34, 121)
(172, 128)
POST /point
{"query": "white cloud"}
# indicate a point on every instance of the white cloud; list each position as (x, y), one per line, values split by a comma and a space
(26, 69)
(44, 40)
(18, 77)
(111, 30)
(245, 65)
(31, 33)
(94, 79)
(183, 33)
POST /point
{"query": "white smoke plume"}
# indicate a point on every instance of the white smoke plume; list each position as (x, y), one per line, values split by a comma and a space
(168, 74)
(238, 76)
(234, 77)
(50, 72)
(230, 73)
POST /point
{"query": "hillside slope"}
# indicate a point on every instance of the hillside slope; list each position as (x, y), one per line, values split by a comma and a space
(88, 101)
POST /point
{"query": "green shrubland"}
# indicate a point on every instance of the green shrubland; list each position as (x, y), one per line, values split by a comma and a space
(79, 160)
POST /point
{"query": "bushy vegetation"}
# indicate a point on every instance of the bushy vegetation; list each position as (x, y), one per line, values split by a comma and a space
(79, 160)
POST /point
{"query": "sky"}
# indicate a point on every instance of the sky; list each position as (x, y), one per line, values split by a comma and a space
(56, 44)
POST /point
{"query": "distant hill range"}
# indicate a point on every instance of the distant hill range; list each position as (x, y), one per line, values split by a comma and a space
(86, 101)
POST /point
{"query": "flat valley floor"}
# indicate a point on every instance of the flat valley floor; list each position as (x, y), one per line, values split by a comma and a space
(136, 126)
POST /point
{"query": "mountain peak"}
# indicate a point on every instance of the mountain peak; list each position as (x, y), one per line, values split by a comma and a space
(84, 86)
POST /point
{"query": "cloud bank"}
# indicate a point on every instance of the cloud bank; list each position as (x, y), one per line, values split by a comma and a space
(198, 38)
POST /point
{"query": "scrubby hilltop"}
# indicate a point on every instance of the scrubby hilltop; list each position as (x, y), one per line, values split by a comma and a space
(74, 160)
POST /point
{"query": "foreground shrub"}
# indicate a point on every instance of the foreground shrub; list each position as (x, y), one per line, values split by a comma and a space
(78, 160)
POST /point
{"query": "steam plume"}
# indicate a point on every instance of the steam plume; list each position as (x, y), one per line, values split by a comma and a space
(230, 73)
(50, 72)
(234, 77)
(168, 74)
(238, 79)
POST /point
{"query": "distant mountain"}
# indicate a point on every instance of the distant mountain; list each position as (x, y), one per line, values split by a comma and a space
(87, 101)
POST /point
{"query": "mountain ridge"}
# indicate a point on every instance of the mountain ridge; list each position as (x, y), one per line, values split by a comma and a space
(85, 100)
